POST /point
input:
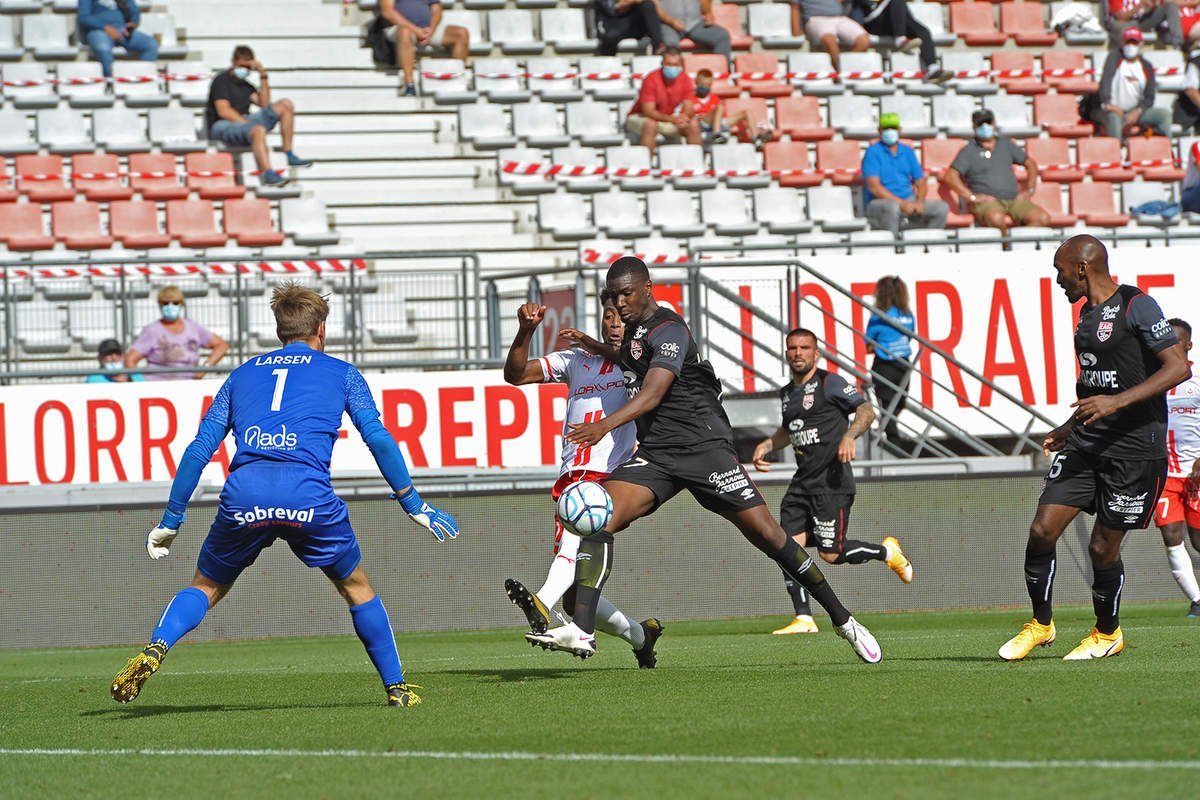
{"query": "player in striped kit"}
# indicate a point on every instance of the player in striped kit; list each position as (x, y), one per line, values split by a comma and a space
(1179, 503)
(595, 389)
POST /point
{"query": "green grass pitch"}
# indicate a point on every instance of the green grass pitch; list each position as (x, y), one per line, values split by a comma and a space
(730, 712)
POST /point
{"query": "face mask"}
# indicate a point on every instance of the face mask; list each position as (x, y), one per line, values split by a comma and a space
(1130, 51)
(110, 365)
(702, 91)
(241, 73)
(985, 131)
(671, 73)
(171, 311)
(890, 136)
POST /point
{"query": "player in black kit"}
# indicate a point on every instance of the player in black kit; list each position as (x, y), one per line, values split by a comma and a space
(816, 409)
(1111, 456)
(684, 442)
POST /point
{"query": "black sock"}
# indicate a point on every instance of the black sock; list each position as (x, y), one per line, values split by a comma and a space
(799, 596)
(856, 552)
(1039, 581)
(592, 564)
(1106, 595)
(799, 567)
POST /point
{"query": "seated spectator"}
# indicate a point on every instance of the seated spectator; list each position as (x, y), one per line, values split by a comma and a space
(105, 24)
(710, 110)
(827, 27)
(1144, 15)
(1127, 89)
(895, 184)
(892, 18)
(1187, 102)
(229, 120)
(626, 19)
(418, 23)
(664, 105)
(982, 175)
(174, 341)
(1190, 197)
(693, 19)
(112, 357)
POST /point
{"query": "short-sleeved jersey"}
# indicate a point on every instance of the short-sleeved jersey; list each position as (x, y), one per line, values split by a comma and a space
(595, 389)
(1116, 343)
(227, 86)
(816, 415)
(690, 415)
(1183, 427)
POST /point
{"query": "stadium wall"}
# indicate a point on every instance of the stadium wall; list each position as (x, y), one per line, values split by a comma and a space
(82, 577)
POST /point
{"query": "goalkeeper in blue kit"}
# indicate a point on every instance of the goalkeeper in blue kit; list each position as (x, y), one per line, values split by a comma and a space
(284, 408)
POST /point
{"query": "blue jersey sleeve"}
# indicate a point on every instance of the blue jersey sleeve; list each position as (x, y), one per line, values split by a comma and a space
(213, 429)
(360, 406)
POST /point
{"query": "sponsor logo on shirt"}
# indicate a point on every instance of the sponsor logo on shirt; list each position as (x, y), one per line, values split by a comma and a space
(258, 514)
(1160, 329)
(1109, 312)
(640, 332)
(631, 383)
(1103, 331)
(669, 350)
(730, 480)
(811, 386)
(1099, 378)
(1087, 359)
(1128, 504)
(849, 390)
(257, 438)
(597, 388)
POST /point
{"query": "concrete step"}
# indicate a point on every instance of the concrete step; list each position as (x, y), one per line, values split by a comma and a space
(458, 169)
(371, 123)
(401, 215)
(371, 147)
(474, 238)
(400, 193)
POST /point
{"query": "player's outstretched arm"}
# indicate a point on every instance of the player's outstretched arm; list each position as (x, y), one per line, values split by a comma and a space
(592, 345)
(519, 369)
(767, 446)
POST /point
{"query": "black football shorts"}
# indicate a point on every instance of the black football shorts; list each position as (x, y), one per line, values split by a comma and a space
(1121, 493)
(715, 477)
(823, 517)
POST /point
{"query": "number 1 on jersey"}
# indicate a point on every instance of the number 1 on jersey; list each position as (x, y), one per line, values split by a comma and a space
(280, 380)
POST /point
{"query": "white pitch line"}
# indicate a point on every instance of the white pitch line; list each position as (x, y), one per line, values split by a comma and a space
(648, 758)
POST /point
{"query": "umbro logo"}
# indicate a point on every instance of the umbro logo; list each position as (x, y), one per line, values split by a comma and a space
(747, 493)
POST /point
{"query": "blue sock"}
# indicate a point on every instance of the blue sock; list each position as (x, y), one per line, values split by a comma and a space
(183, 613)
(373, 627)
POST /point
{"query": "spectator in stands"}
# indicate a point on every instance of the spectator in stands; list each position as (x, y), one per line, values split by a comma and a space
(1190, 197)
(982, 175)
(827, 27)
(229, 120)
(891, 366)
(1127, 89)
(1187, 102)
(1143, 15)
(710, 110)
(664, 105)
(895, 184)
(112, 356)
(626, 19)
(892, 18)
(693, 19)
(417, 23)
(105, 24)
(174, 341)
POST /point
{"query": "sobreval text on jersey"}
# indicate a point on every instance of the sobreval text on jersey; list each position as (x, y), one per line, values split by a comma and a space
(266, 361)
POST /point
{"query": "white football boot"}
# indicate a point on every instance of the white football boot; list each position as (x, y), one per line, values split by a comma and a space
(861, 640)
(569, 638)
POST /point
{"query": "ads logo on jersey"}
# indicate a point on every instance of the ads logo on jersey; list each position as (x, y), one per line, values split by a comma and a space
(730, 480)
(640, 332)
(259, 439)
(1087, 359)
(1109, 312)
(258, 514)
(849, 390)
(1103, 331)
(1134, 504)
(669, 350)
(1160, 329)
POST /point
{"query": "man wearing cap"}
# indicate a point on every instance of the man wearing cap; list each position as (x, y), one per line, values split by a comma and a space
(112, 357)
(982, 175)
(1121, 16)
(896, 185)
(1127, 90)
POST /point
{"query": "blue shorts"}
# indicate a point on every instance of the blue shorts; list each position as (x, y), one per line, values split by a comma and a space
(238, 133)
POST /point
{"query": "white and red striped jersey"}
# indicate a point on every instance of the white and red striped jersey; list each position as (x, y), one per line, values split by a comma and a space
(1183, 427)
(595, 389)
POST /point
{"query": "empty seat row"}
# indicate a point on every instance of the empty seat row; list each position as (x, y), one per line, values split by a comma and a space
(119, 130)
(101, 177)
(82, 84)
(48, 36)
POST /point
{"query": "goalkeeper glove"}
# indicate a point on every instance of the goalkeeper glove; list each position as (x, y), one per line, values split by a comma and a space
(434, 520)
(158, 541)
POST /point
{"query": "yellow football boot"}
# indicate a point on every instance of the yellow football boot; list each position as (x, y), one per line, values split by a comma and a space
(402, 694)
(128, 682)
(797, 625)
(1097, 645)
(896, 560)
(1033, 634)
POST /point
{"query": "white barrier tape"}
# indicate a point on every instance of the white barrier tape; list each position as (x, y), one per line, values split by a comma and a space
(266, 267)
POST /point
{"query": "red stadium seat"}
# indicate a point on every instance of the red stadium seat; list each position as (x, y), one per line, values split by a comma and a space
(249, 220)
(1103, 150)
(166, 187)
(1094, 203)
(1059, 115)
(99, 188)
(975, 25)
(726, 15)
(134, 223)
(843, 155)
(938, 190)
(1155, 148)
(937, 154)
(790, 156)
(800, 118)
(1048, 195)
(761, 62)
(48, 187)
(191, 222)
(77, 225)
(1050, 152)
(1025, 23)
(1068, 59)
(21, 227)
(1017, 60)
(757, 107)
(715, 64)
(217, 187)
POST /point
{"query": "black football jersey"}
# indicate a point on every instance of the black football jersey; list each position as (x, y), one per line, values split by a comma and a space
(816, 415)
(690, 414)
(1116, 343)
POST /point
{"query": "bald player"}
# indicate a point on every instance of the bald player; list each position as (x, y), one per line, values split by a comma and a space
(1111, 455)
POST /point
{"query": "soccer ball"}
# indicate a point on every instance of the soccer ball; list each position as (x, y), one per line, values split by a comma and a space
(584, 508)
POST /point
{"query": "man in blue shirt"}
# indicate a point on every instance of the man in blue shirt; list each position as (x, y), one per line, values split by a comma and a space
(284, 409)
(112, 357)
(105, 24)
(895, 184)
